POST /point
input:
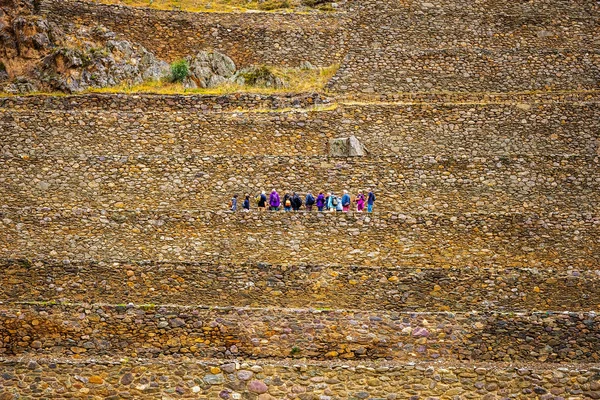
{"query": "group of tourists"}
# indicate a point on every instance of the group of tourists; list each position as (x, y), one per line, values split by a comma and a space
(294, 202)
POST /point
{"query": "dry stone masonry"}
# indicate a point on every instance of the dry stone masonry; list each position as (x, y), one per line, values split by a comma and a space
(123, 274)
(483, 46)
(461, 288)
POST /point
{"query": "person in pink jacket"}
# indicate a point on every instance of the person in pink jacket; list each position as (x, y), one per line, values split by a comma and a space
(360, 202)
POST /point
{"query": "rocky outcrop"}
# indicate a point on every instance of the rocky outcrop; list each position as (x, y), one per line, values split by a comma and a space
(100, 61)
(24, 38)
(36, 55)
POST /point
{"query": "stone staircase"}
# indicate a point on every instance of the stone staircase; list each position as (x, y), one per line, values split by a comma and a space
(124, 276)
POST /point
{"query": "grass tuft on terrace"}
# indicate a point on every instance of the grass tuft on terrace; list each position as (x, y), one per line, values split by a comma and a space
(226, 5)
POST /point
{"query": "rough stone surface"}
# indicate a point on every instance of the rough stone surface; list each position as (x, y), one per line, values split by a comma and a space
(260, 333)
(384, 239)
(495, 46)
(210, 125)
(122, 275)
(347, 380)
(461, 288)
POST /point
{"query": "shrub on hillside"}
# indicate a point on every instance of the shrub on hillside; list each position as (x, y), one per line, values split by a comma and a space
(274, 5)
(315, 3)
(180, 70)
(258, 75)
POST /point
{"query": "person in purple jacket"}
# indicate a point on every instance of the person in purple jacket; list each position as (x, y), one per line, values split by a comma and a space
(320, 201)
(274, 201)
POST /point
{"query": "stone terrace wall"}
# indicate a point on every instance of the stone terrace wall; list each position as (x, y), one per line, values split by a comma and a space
(248, 38)
(397, 69)
(350, 381)
(490, 24)
(257, 333)
(76, 125)
(409, 185)
(487, 46)
(162, 103)
(386, 239)
(356, 287)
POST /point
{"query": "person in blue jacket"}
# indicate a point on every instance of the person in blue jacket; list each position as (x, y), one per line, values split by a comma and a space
(370, 201)
(346, 201)
(309, 201)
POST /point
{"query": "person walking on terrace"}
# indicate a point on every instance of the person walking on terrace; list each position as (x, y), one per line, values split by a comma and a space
(370, 201)
(339, 207)
(320, 201)
(296, 202)
(346, 201)
(309, 201)
(233, 203)
(274, 201)
(261, 201)
(360, 202)
(287, 202)
(246, 205)
(332, 202)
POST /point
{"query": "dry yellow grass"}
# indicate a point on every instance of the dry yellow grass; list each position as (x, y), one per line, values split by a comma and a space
(213, 5)
(298, 81)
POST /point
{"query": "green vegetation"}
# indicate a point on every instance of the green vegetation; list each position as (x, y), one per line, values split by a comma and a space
(179, 70)
(295, 350)
(323, 5)
(271, 5)
(257, 75)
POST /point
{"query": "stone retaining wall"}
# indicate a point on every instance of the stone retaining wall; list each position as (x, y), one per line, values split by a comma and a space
(409, 185)
(488, 46)
(153, 331)
(395, 69)
(482, 8)
(248, 38)
(386, 129)
(235, 102)
(324, 381)
(431, 28)
(162, 103)
(355, 287)
(435, 240)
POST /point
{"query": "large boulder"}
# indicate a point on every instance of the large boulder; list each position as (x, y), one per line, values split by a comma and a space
(346, 147)
(209, 69)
